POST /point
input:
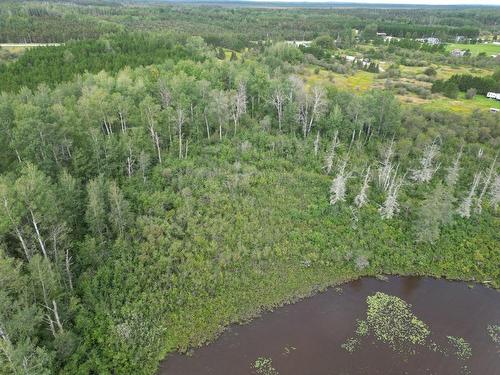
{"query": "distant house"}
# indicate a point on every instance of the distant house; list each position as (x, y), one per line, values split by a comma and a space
(460, 39)
(493, 95)
(298, 43)
(433, 41)
(389, 38)
(430, 40)
(458, 52)
(381, 34)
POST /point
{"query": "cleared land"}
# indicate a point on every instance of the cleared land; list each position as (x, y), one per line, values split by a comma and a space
(363, 81)
(475, 49)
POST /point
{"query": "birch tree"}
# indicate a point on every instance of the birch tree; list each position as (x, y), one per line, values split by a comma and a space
(150, 112)
(219, 108)
(34, 190)
(278, 100)
(311, 106)
(11, 214)
(95, 214)
(239, 105)
(119, 209)
(20, 319)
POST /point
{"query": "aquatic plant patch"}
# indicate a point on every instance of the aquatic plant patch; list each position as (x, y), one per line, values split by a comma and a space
(494, 332)
(264, 366)
(390, 320)
(461, 348)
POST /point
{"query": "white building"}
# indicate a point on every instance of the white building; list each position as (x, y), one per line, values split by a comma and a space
(298, 43)
(430, 40)
(458, 52)
(493, 95)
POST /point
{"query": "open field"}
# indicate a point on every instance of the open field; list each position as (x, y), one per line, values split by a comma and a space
(12, 51)
(362, 81)
(18, 47)
(444, 71)
(475, 49)
(459, 105)
(359, 82)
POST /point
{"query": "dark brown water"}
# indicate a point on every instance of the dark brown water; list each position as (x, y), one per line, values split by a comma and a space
(305, 338)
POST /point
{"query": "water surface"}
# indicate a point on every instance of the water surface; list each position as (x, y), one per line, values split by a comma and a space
(305, 338)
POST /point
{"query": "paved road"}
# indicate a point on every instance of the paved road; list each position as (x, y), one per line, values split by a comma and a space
(28, 44)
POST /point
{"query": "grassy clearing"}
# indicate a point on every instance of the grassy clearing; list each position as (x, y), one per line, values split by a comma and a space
(363, 81)
(359, 82)
(445, 71)
(475, 49)
(461, 105)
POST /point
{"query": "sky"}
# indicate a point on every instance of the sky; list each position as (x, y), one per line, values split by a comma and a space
(426, 2)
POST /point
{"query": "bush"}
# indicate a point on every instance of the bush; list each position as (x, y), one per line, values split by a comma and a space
(430, 71)
(471, 93)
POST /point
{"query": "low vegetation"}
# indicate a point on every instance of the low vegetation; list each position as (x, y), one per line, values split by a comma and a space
(154, 190)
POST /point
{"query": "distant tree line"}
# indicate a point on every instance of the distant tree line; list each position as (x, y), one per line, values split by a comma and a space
(464, 82)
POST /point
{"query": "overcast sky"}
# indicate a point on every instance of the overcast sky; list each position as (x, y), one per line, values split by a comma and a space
(427, 2)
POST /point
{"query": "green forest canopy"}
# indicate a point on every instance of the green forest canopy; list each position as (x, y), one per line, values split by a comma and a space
(145, 207)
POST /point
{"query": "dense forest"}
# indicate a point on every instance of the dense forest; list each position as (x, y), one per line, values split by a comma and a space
(153, 191)
(232, 27)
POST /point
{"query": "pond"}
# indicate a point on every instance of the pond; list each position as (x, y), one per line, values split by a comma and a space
(400, 325)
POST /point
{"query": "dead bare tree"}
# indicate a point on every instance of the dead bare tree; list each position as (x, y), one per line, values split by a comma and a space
(362, 198)
(338, 186)
(464, 210)
(143, 164)
(67, 263)
(180, 122)
(130, 161)
(318, 105)
(453, 171)
(331, 153)
(386, 168)
(391, 204)
(316, 144)
(311, 106)
(165, 94)
(486, 185)
(39, 238)
(495, 192)
(427, 167)
(152, 130)
(241, 101)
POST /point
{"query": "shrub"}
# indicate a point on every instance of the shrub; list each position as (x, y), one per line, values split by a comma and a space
(471, 93)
